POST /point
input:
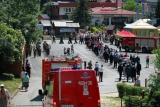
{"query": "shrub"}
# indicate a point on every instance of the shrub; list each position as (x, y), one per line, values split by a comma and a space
(120, 87)
(7, 76)
(130, 90)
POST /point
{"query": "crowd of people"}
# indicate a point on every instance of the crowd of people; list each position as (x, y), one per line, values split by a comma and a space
(128, 66)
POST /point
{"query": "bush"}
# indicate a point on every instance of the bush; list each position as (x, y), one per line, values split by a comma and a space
(7, 76)
(156, 99)
(132, 101)
(130, 90)
(120, 88)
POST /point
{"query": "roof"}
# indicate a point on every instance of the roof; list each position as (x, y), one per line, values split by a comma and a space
(110, 27)
(111, 11)
(140, 24)
(58, 23)
(91, 4)
(44, 16)
(45, 22)
(124, 33)
(72, 24)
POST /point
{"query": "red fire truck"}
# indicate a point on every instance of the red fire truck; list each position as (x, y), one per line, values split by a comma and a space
(70, 87)
(144, 44)
(56, 62)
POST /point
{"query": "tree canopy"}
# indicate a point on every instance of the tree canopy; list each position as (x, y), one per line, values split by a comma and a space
(157, 12)
(21, 15)
(81, 13)
(11, 45)
(131, 6)
(18, 25)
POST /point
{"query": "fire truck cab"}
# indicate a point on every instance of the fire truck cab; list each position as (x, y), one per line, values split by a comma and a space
(70, 87)
(56, 62)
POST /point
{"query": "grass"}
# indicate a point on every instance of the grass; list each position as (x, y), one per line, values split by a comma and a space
(11, 85)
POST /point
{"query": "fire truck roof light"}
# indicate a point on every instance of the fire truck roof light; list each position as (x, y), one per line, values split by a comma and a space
(75, 67)
(54, 69)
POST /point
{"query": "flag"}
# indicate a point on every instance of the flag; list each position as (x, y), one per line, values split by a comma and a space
(149, 9)
(143, 11)
(137, 8)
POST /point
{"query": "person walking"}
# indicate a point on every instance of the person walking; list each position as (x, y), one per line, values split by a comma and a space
(138, 81)
(120, 69)
(115, 58)
(120, 47)
(28, 70)
(26, 82)
(72, 49)
(4, 96)
(101, 70)
(53, 39)
(34, 52)
(124, 67)
(147, 62)
(22, 77)
(133, 73)
(90, 65)
(138, 68)
(128, 71)
(97, 68)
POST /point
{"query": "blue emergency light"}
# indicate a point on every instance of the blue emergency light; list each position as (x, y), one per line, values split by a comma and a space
(55, 69)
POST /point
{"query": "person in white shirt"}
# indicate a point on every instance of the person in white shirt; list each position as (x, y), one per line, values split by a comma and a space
(96, 68)
(22, 76)
(101, 70)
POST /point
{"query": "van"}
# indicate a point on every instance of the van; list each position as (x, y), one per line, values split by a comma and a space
(67, 87)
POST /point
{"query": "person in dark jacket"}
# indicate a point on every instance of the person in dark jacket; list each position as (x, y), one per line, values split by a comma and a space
(133, 73)
(105, 56)
(120, 70)
(111, 59)
(128, 71)
(115, 61)
(138, 68)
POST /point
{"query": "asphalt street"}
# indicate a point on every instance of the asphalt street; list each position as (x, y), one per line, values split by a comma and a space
(110, 78)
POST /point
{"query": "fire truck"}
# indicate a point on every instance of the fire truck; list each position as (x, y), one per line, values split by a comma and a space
(58, 61)
(71, 87)
(144, 44)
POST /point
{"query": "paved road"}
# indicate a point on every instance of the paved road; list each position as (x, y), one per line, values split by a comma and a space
(107, 86)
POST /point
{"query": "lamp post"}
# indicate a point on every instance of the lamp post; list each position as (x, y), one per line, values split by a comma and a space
(121, 12)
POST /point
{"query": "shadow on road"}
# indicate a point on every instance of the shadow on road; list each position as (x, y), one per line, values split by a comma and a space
(38, 98)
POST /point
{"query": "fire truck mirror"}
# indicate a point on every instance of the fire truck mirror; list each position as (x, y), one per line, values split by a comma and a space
(137, 44)
(45, 92)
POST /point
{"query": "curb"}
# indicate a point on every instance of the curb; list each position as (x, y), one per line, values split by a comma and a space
(112, 94)
(14, 94)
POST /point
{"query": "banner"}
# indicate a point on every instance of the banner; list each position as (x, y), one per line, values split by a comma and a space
(143, 10)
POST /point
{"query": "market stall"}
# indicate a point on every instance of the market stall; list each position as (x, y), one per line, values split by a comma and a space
(122, 34)
(142, 29)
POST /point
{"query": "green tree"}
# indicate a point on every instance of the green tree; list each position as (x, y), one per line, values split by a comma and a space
(11, 45)
(81, 13)
(154, 81)
(131, 5)
(21, 15)
(157, 12)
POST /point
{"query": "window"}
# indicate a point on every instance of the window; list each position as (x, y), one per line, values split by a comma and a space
(69, 9)
(50, 88)
(66, 9)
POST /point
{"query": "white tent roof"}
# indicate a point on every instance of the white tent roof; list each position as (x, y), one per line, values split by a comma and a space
(140, 24)
(46, 22)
